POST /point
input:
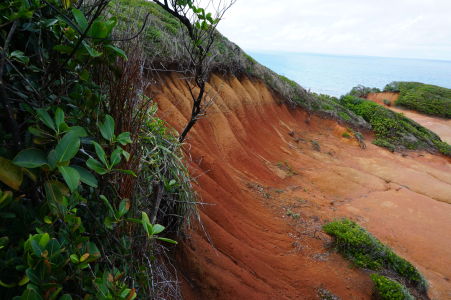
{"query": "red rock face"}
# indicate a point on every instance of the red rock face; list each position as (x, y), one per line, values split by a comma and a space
(271, 177)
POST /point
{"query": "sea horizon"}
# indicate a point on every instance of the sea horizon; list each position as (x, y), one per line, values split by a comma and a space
(337, 74)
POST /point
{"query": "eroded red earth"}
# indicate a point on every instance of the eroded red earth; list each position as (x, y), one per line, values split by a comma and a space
(272, 176)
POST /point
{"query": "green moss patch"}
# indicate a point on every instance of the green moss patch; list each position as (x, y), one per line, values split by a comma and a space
(387, 289)
(366, 251)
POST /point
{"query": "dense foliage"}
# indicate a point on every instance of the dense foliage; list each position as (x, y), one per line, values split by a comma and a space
(363, 249)
(362, 91)
(80, 150)
(387, 289)
(426, 98)
(393, 130)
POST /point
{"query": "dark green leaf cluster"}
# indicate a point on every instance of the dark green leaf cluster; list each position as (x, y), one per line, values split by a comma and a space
(363, 249)
(393, 130)
(425, 98)
(65, 231)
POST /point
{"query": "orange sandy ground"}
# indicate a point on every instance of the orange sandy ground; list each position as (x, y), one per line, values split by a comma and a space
(269, 192)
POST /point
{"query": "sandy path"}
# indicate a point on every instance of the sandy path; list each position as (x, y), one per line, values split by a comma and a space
(270, 193)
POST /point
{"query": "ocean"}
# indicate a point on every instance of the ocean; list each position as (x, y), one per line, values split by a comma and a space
(336, 74)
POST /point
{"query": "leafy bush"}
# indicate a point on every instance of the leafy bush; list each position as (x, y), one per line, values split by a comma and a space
(425, 98)
(66, 230)
(363, 249)
(387, 289)
(393, 130)
(362, 91)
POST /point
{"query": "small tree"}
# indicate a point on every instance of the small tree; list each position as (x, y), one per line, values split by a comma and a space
(201, 31)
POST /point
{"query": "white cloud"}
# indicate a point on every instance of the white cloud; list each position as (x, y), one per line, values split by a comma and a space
(397, 28)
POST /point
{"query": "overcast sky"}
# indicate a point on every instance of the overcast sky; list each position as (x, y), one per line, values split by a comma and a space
(392, 28)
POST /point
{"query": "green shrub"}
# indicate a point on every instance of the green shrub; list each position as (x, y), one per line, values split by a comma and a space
(425, 98)
(393, 130)
(365, 251)
(362, 91)
(66, 229)
(387, 102)
(387, 289)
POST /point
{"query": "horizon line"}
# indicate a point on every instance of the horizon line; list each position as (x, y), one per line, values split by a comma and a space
(346, 55)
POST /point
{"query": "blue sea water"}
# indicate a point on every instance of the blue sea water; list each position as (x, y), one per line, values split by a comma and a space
(336, 75)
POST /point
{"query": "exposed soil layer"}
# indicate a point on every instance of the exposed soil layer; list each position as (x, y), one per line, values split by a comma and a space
(441, 126)
(271, 177)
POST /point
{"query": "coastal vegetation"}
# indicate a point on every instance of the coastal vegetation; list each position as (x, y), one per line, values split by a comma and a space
(366, 251)
(393, 130)
(92, 183)
(425, 98)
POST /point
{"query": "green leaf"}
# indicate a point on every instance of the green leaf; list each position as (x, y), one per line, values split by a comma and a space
(93, 250)
(126, 155)
(124, 138)
(157, 228)
(31, 293)
(124, 206)
(19, 56)
(116, 156)
(146, 223)
(7, 285)
(30, 158)
(45, 118)
(117, 51)
(52, 159)
(37, 250)
(44, 240)
(10, 174)
(68, 147)
(55, 191)
(96, 166)
(71, 176)
(167, 240)
(108, 204)
(66, 297)
(80, 18)
(59, 118)
(98, 30)
(32, 276)
(86, 176)
(74, 258)
(24, 281)
(100, 153)
(79, 131)
(91, 51)
(66, 3)
(107, 128)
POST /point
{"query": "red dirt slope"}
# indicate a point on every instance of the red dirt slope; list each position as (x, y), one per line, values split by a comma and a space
(272, 176)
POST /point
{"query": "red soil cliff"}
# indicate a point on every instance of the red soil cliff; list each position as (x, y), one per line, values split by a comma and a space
(271, 177)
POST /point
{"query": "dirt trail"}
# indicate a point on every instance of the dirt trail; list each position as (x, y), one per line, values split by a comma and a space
(440, 126)
(273, 176)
